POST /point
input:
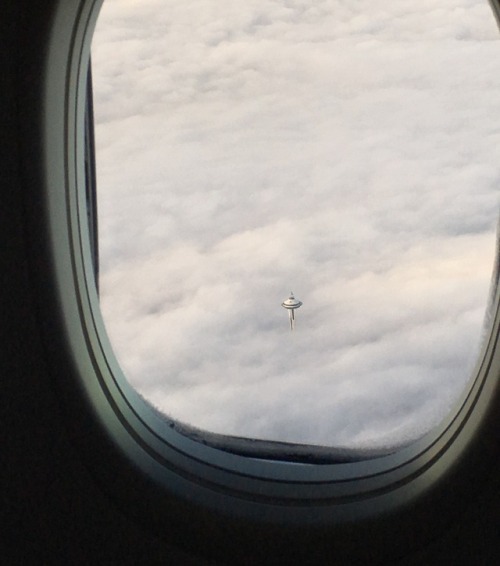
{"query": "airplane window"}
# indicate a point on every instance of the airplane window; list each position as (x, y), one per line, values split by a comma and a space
(163, 484)
(254, 158)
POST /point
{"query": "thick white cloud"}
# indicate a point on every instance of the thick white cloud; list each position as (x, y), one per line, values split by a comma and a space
(344, 150)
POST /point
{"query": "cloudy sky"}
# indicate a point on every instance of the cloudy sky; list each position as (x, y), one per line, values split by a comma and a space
(347, 151)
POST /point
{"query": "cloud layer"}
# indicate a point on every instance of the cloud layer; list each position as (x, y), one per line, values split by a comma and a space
(345, 151)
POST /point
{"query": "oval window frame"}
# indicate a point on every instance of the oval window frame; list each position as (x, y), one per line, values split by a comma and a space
(194, 489)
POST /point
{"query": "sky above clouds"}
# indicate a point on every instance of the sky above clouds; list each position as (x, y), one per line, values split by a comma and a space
(344, 150)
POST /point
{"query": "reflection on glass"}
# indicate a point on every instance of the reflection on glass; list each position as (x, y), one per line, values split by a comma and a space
(347, 151)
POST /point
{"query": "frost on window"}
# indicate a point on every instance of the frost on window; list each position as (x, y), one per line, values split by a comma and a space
(347, 152)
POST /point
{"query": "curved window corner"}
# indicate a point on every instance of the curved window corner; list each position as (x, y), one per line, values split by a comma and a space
(189, 489)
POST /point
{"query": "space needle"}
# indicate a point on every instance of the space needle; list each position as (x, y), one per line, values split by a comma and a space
(290, 305)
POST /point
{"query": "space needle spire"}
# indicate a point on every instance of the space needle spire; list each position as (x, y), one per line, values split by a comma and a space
(290, 305)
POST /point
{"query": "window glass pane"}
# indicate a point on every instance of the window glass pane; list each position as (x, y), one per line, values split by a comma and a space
(344, 151)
